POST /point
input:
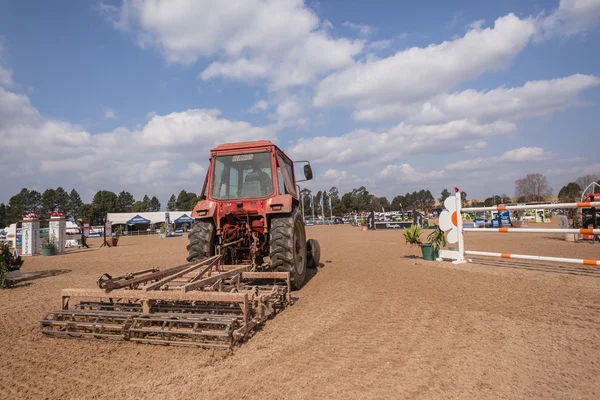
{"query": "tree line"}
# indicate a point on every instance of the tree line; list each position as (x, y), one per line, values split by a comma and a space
(70, 203)
(360, 200)
(531, 188)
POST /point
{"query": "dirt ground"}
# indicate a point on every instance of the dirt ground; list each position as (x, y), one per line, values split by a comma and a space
(373, 322)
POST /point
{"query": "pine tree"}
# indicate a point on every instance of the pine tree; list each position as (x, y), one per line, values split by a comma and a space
(124, 202)
(75, 204)
(172, 203)
(154, 204)
(146, 202)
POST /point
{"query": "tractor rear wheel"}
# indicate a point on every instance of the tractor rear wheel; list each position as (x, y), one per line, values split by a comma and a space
(202, 240)
(288, 247)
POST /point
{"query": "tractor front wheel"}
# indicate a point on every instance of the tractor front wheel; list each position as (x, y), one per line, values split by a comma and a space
(202, 241)
(288, 247)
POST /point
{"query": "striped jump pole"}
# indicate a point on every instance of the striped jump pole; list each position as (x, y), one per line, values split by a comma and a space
(581, 204)
(535, 258)
(533, 230)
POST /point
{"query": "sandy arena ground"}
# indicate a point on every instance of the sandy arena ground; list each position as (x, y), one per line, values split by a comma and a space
(373, 322)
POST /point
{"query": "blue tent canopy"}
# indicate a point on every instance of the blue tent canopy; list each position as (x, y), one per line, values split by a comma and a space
(183, 219)
(138, 220)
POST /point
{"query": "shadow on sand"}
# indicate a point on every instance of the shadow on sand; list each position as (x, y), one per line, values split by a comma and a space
(32, 276)
(541, 267)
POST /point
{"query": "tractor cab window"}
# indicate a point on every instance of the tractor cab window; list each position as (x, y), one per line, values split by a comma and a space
(242, 176)
(285, 169)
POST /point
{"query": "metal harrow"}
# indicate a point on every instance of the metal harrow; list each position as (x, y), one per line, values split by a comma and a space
(204, 304)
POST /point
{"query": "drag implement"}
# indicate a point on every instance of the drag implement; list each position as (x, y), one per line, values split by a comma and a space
(203, 303)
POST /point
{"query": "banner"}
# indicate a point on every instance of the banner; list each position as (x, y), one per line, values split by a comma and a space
(108, 228)
(311, 202)
(321, 204)
(86, 229)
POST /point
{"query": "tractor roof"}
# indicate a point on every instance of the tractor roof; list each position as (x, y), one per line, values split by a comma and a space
(243, 145)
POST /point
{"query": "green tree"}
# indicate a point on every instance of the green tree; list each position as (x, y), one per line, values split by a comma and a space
(17, 206)
(48, 202)
(104, 202)
(570, 193)
(138, 207)
(172, 203)
(384, 202)
(125, 201)
(3, 216)
(463, 199)
(186, 201)
(61, 199)
(146, 201)
(75, 204)
(33, 201)
(397, 203)
(444, 195)
(89, 214)
(306, 193)
(154, 204)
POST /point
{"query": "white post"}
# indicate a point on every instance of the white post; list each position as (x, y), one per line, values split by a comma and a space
(461, 240)
(30, 239)
(57, 229)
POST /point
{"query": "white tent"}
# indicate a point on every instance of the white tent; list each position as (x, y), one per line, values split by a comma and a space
(154, 217)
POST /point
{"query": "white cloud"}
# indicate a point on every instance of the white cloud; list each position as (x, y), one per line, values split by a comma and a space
(520, 155)
(363, 29)
(367, 147)
(281, 41)
(109, 113)
(148, 158)
(535, 98)
(406, 173)
(290, 111)
(380, 44)
(261, 105)
(5, 71)
(418, 73)
(572, 17)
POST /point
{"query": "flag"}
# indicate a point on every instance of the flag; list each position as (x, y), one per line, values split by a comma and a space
(321, 204)
(311, 202)
(331, 208)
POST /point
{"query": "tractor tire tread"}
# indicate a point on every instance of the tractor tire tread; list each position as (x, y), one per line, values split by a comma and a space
(201, 240)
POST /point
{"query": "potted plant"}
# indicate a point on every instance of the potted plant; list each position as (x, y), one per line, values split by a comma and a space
(437, 238)
(517, 215)
(117, 235)
(48, 246)
(412, 235)
(364, 224)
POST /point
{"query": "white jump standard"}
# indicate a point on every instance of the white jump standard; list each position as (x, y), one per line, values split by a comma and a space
(451, 222)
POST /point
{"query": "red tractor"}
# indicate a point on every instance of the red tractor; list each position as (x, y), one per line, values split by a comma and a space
(249, 211)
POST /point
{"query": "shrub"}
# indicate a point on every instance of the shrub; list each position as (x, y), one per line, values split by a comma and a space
(412, 235)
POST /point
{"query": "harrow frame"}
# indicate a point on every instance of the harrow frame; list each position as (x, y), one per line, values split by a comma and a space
(202, 303)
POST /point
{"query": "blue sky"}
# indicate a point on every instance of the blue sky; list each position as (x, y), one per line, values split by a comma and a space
(396, 96)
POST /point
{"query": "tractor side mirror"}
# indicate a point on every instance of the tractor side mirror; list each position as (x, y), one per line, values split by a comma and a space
(308, 172)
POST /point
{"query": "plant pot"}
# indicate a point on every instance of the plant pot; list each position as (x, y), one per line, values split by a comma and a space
(114, 242)
(47, 251)
(428, 253)
(517, 224)
(364, 228)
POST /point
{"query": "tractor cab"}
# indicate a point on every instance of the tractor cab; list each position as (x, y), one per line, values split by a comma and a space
(250, 170)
